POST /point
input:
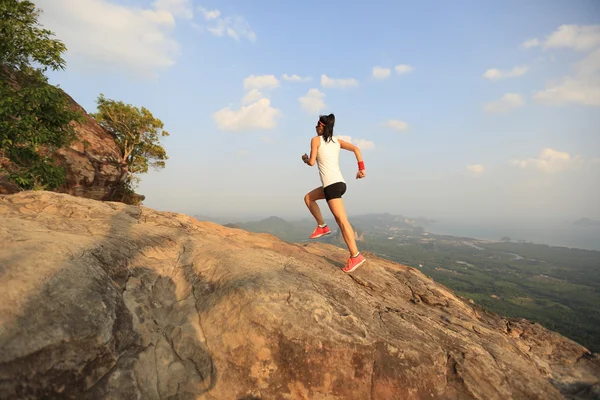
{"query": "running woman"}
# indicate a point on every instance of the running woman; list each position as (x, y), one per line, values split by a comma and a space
(325, 151)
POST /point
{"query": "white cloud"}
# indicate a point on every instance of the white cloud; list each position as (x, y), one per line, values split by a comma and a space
(530, 43)
(313, 101)
(590, 65)
(495, 74)
(583, 86)
(256, 111)
(476, 169)
(235, 26)
(295, 78)
(506, 103)
(261, 82)
(160, 17)
(576, 37)
(258, 115)
(103, 35)
(381, 73)
(209, 15)
(338, 83)
(179, 8)
(362, 144)
(252, 96)
(396, 124)
(584, 91)
(243, 152)
(549, 161)
(403, 69)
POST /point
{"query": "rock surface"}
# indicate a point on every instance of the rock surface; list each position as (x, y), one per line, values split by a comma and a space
(109, 301)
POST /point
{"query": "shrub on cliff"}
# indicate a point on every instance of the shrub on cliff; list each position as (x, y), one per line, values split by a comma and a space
(35, 117)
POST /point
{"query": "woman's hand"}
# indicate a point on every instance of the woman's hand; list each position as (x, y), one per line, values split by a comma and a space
(305, 157)
(361, 174)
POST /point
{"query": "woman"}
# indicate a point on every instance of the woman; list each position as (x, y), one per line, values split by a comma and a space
(325, 151)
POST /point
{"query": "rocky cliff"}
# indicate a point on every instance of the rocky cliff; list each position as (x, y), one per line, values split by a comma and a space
(92, 164)
(103, 300)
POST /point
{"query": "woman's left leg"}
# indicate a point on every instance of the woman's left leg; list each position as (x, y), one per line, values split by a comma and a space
(310, 199)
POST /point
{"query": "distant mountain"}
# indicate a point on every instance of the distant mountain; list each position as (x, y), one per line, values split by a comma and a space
(586, 222)
(288, 231)
(298, 231)
(361, 222)
(389, 221)
(237, 226)
(295, 231)
(208, 219)
(273, 225)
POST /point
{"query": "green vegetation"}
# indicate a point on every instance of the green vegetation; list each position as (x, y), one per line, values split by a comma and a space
(35, 117)
(137, 132)
(558, 287)
(555, 286)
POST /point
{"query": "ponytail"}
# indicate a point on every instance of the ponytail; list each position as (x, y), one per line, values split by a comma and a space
(329, 122)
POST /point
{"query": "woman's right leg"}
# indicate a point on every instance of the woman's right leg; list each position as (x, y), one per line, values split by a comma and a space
(339, 212)
(311, 202)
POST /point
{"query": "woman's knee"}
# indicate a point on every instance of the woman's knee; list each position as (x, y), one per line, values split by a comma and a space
(340, 219)
(307, 199)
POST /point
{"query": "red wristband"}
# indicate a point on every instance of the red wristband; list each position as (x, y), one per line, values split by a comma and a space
(361, 165)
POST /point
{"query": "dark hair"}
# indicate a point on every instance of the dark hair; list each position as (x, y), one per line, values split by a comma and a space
(328, 121)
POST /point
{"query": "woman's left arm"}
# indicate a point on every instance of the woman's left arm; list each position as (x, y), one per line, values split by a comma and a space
(361, 165)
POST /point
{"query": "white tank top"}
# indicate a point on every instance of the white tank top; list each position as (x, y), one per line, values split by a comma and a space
(328, 156)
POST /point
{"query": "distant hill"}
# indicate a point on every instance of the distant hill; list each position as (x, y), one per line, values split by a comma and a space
(208, 219)
(274, 225)
(299, 230)
(292, 232)
(386, 220)
(586, 222)
(295, 231)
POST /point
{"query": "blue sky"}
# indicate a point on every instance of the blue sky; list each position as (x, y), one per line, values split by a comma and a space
(462, 109)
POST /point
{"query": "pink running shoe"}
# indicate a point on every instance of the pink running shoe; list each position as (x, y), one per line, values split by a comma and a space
(320, 232)
(354, 262)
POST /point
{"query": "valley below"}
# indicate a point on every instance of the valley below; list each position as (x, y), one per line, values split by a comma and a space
(558, 287)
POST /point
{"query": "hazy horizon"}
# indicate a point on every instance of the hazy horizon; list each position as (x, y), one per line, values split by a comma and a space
(462, 110)
(555, 232)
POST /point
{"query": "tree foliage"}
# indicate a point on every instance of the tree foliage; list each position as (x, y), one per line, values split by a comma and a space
(138, 134)
(35, 117)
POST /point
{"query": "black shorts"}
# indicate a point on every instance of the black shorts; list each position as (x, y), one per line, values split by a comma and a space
(334, 191)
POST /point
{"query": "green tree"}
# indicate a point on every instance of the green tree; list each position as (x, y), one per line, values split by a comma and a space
(35, 117)
(138, 134)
